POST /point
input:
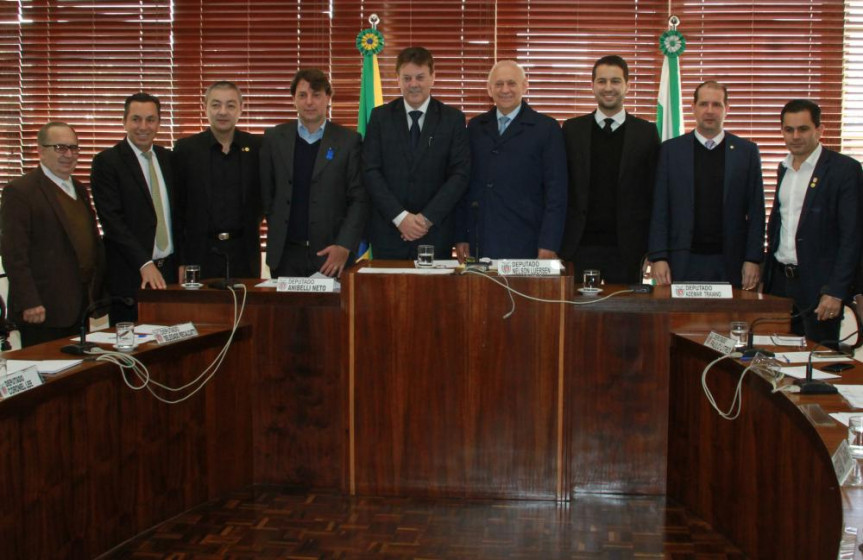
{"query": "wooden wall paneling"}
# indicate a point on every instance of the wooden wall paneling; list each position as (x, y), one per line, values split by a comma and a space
(11, 488)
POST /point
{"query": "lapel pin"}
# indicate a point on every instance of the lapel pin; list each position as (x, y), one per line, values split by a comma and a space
(330, 153)
(813, 183)
(245, 148)
(731, 146)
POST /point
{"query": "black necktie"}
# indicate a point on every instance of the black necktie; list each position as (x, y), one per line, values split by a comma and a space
(607, 128)
(415, 128)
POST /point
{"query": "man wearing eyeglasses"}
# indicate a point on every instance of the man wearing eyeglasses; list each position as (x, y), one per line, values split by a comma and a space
(49, 242)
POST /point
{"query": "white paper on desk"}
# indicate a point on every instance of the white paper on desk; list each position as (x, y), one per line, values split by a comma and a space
(271, 283)
(799, 372)
(842, 417)
(779, 340)
(420, 271)
(107, 337)
(853, 394)
(803, 357)
(45, 367)
(274, 283)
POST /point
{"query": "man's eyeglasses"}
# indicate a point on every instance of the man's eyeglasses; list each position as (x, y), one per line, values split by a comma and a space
(63, 148)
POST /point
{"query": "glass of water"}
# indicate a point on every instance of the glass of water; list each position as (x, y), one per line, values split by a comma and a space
(855, 444)
(425, 256)
(591, 279)
(192, 276)
(125, 337)
(740, 333)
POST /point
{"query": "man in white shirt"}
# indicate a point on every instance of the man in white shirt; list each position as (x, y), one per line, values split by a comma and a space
(132, 189)
(50, 244)
(815, 229)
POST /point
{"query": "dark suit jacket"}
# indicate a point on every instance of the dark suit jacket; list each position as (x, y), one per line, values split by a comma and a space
(829, 230)
(192, 189)
(126, 212)
(338, 202)
(636, 180)
(37, 252)
(430, 181)
(671, 227)
(519, 183)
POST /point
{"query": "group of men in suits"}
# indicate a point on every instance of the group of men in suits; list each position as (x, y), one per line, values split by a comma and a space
(600, 192)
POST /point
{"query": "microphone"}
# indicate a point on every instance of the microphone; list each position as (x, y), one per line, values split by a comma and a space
(83, 346)
(751, 350)
(227, 282)
(809, 386)
(474, 262)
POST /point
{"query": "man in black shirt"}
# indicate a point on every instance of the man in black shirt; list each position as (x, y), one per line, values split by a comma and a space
(708, 205)
(218, 193)
(611, 156)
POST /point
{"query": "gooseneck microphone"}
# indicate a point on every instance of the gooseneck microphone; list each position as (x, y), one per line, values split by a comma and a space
(226, 282)
(83, 346)
(809, 386)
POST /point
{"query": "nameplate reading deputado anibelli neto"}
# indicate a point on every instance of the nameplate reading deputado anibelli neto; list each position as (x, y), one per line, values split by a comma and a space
(529, 267)
(701, 291)
(20, 381)
(316, 285)
(165, 335)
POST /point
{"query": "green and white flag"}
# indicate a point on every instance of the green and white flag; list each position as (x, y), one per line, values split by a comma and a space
(669, 107)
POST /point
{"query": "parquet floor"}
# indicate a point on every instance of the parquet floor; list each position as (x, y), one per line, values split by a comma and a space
(276, 523)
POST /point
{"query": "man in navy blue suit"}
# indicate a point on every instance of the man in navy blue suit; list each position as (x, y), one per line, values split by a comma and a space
(815, 231)
(515, 206)
(415, 165)
(708, 204)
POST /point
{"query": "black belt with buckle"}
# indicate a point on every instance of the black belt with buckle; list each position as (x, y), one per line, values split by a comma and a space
(791, 271)
(227, 235)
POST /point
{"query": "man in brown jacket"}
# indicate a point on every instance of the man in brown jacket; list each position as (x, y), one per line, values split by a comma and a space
(49, 242)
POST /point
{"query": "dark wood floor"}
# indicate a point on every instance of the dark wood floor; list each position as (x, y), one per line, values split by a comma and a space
(269, 523)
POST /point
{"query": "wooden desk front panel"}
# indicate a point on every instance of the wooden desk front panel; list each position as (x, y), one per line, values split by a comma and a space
(766, 479)
(88, 463)
(294, 376)
(450, 398)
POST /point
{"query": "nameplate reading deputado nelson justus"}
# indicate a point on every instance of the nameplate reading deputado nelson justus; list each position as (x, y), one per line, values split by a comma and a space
(701, 291)
(20, 381)
(529, 267)
(317, 285)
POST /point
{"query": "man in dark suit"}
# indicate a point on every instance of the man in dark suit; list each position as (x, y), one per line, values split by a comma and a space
(311, 175)
(416, 165)
(611, 158)
(217, 191)
(516, 202)
(132, 191)
(708, 205)
(49, 242)
(814, 240)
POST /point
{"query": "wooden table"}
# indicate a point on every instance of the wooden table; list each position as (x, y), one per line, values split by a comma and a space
(87, 463)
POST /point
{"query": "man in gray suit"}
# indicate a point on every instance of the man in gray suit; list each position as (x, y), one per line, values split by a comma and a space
(311, 181)
(417, 165)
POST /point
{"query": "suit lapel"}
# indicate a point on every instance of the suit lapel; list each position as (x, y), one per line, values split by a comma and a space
(285, 145)
(732, 161)
(399, 121)
(131, 161)
(814, 186)
(583, 135)
(203, 167)
(326, 151)
(51, 191)
(629, 143)
(246, 163)
(430, 124)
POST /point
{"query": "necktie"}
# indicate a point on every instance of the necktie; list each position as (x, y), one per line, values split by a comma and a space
(156, 192)
(607, 128)
(415, 128)
(503, 122)
(710, 144)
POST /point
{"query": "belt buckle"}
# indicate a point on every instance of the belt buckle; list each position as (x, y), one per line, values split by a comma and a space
(790, 271)
(224, 236)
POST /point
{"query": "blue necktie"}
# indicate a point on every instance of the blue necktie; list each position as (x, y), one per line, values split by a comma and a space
(415, 128)
(503, 122)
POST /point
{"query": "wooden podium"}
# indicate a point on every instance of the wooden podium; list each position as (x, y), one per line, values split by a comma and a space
(448, 397)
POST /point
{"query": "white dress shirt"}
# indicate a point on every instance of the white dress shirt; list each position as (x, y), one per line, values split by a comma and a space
(792, 192)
